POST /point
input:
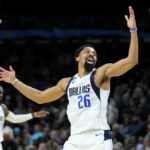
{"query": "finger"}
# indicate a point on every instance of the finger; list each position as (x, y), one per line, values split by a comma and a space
(126, 17)
(47, 113)
(10, 68)
(2, 69)
(131, 11)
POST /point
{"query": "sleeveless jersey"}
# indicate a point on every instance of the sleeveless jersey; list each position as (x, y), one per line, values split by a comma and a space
(87, 106)
(2, 120)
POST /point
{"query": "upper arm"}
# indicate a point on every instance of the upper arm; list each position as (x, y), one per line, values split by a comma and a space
(54, 92)
(118, 68)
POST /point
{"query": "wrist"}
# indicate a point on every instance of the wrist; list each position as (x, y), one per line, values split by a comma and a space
(133, 30)
(34, 114)
(15, 80)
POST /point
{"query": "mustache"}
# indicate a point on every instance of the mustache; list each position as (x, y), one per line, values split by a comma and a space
(90, 57)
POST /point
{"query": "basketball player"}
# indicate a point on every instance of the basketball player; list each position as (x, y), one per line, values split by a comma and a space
(87, 92)
(6, 114)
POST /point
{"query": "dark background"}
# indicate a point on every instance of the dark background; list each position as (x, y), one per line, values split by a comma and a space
(41, 62)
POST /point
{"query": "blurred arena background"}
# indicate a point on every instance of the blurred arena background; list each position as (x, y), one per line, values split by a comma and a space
(39, 41)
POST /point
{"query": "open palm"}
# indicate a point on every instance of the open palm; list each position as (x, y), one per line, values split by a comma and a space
(7, 76)
(131, 23)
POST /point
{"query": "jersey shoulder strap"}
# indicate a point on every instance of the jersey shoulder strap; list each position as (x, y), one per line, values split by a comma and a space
(69, 83)
(95, 88)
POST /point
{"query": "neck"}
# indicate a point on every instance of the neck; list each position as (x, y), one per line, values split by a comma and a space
(81, 71)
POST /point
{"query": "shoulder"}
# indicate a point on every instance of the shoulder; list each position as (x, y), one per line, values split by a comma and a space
(102, 69)
(100, 78)
(63, 82)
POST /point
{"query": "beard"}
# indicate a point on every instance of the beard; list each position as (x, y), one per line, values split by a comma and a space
(89, 67)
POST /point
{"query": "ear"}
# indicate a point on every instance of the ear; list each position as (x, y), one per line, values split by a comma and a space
(77, 58)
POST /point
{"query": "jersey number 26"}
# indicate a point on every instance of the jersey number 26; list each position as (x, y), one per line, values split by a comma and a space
(84, 101)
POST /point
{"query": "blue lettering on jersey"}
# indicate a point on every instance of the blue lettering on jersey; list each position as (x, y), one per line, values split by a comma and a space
(79, 90)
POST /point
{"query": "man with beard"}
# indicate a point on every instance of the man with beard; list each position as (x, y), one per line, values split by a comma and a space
(6, 114)
(87, 92)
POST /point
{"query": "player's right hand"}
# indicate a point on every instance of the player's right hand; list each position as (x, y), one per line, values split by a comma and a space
(7, 75)
(41, 114)
(131, 23)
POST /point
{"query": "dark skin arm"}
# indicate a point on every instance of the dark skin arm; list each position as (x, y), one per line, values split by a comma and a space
(106, 72)
(40, 97)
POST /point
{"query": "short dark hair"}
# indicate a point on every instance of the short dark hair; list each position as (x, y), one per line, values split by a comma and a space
(77, 52)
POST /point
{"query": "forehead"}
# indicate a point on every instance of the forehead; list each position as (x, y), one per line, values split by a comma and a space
(88, 49)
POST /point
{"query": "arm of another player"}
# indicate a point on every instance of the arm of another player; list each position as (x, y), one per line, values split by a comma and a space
(126, 64)
(33, 94)
(20, 118)
(40, 114)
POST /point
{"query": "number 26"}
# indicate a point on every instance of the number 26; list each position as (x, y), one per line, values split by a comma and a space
(84, 101)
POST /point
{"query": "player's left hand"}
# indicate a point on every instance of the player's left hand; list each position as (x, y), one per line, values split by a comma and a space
(41, 114)
(131, 22)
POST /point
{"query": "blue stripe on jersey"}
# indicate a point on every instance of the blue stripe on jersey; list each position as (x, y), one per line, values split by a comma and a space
(69, 84)
(95, 88)
(107, 135)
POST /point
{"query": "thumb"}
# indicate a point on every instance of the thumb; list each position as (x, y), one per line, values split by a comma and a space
(10, 68)
(126, 17)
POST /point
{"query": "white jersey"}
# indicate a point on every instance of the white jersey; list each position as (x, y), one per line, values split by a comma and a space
(87, 106)
(2, 120)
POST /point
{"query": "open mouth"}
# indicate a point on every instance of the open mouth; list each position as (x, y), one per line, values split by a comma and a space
(90, 60)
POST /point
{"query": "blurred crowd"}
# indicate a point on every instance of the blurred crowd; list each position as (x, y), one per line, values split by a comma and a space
(43, 65)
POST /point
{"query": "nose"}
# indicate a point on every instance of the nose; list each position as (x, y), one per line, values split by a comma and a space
(91, 54)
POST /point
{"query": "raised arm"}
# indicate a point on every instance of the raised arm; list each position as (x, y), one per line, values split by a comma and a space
(126, 64)
(33, 94)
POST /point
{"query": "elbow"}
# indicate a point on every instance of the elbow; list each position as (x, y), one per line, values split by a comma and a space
(137, 62)
(134, 63)
(39, 101)
(38, 98)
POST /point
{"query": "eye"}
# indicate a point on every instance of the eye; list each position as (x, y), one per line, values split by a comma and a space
(87, 51)
(94, 54)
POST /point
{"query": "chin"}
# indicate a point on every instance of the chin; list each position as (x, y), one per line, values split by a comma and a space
(89, 67)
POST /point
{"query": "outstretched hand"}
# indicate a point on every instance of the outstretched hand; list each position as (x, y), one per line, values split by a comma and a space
(41, 114)
(7, 75)
(131, 23)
